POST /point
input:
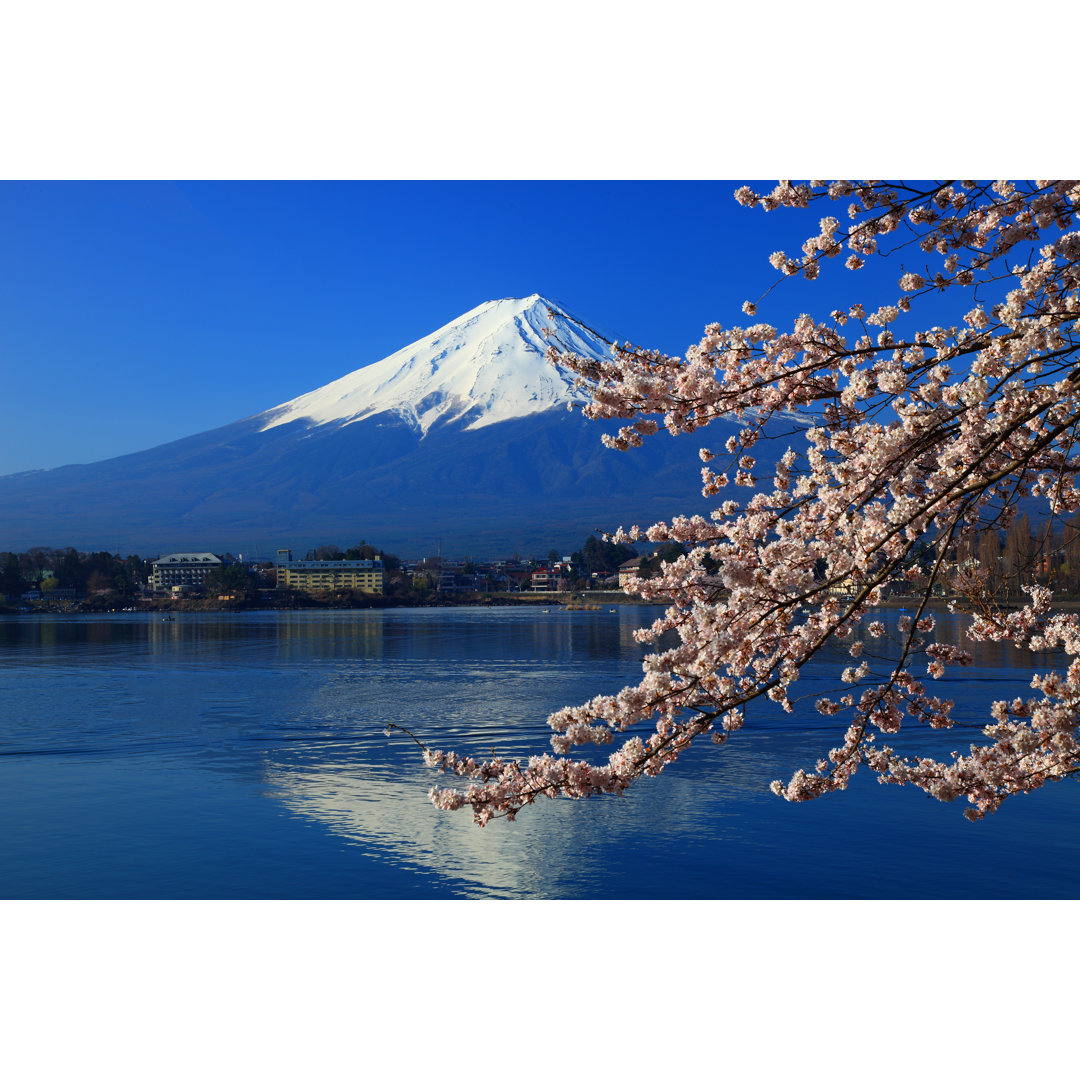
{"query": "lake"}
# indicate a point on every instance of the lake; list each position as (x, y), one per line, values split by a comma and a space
(243, 755)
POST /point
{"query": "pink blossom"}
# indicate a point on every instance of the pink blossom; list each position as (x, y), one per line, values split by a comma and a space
(917, 437)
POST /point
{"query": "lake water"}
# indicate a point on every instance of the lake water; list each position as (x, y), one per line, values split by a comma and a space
(244, 756)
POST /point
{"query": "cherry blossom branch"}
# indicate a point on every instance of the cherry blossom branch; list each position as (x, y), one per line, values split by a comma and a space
(900, 451)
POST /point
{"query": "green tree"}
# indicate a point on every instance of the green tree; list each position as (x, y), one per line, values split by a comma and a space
(70, 571)
(231, 578)
(362, 550)
(602, 556)
(12, 582)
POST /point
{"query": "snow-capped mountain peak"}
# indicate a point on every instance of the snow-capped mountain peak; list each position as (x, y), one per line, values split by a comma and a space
(484, 367)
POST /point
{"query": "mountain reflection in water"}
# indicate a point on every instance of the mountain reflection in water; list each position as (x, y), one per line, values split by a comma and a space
(243, 755)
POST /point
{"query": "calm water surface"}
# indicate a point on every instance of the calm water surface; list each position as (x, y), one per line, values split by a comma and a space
(243, 756)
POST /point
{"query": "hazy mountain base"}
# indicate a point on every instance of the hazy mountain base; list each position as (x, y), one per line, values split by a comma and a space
(522, 486)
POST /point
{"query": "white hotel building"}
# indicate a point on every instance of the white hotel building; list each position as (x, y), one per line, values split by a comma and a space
(186, 568)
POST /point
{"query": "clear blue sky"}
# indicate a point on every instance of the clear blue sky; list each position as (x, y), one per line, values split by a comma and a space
(135, 313)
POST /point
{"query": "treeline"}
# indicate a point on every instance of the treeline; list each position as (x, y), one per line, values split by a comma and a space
(1005, 561)
(1001, 561)
(331, 552)
(602, 557)
(100, 578)
(47, 569)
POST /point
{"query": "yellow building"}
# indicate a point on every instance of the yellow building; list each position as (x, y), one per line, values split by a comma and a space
(363, 575)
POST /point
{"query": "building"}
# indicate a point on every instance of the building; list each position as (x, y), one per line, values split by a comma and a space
(310, 575)
(185, 569)
(628, 571)
(846, 586)
(554, 578)
(542, 580)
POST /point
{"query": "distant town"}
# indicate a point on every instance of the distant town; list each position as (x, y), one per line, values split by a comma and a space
(46, 579)
(995, 564)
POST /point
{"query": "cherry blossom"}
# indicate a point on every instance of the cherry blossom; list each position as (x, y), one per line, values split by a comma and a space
(913, 439)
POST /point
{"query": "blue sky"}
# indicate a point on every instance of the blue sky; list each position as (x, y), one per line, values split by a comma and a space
(135, 313)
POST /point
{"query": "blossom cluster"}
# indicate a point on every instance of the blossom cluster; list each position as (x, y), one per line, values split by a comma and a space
(911, 439)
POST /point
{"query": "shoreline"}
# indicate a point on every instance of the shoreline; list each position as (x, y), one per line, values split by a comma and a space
(584, 601)
(355, 602)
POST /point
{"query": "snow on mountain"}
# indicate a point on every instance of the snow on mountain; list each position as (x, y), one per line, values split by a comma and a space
(461, 441)
(485, 367)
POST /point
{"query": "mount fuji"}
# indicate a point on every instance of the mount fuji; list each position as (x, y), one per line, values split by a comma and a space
(462, 441)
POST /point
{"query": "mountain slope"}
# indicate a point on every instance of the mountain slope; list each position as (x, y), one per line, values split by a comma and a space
(485, 367)
(462, 440)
